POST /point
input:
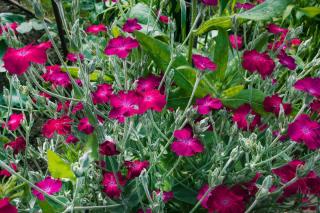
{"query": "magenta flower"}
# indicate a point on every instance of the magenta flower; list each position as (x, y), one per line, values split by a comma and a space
(153, 100)
(315, 106)
(295, 42)
(288, 171)
(186, 144)
(247, 189)
(78, 107)
(273, 103)
(201, 193)
(121, 46)
(9, 26)
(166, 196)
(287, 61)
(309, 85)
(95, 29)
(110, 184)
(49, 185)
(18, 145)
(275, 29)
(224, 200)
(73, 57)
(207, 103)
(125, 104)
(102, 94)
(135, 168)
(17, 61)
(61, 126)
(245, 6)
(210, 2)
(164, 19)
(131, 25)
(71, 139)
(6, 173)
(15, 120)
(260, 62)
(6, 206)
(240, 117)
(148, 83)
(236, 41)
(56, 76)
(304, 130)
(108, 148)
(203, 63)
(85, 126)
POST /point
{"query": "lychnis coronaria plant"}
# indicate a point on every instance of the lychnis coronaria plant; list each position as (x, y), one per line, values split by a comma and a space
(160, 106)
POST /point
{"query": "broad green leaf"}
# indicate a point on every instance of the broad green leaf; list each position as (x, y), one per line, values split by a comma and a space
(94, 76)
(11, 17)
(260, 42)
(58, 168)
(184, 194)
(253, 97)
(223, 5)
(24, 27)
(145, 16)
(3, 48)
(221, 52)
(93, 146)
(214, 24)
(235, 90)
(45, 206)
(265, 11)
(310, 11)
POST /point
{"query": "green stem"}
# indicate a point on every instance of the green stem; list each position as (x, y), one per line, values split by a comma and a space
(193, 19)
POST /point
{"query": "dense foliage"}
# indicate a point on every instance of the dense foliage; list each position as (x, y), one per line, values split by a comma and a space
(160, 106)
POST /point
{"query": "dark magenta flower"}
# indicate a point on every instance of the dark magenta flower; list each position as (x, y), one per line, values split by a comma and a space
(6, 206)
(203, 63)
(125, 104)
(164, 19)
(56, 76)
(78, 107)
(236, 41)
(295, 42)
(224, 200)
(152, 100)
(309, 85)
(261, 62)
(240, 117)
(275, 29)
(85, 126)
(131, 25)
(17, 61)
(148, 83)
(61, 126)
(121, 46)
(315, 106)
(304, 130)
(95, 29)
(9, 26)
(207, 103)
(6, 173)
(247, 189)
(186, 144)
(71, 139)
(135, 168)
(273, 103)
(49, 185)
(73, 57)
(245, 6)
(18, 145)
(166, 196)
(201, 194)
(110, 184)
(287, 61)
(108, 148)
(210, 2)
(15, 120)
(63, 106)
(102, 94)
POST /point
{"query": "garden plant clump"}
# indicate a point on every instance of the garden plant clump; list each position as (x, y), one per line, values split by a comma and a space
(160, 106)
